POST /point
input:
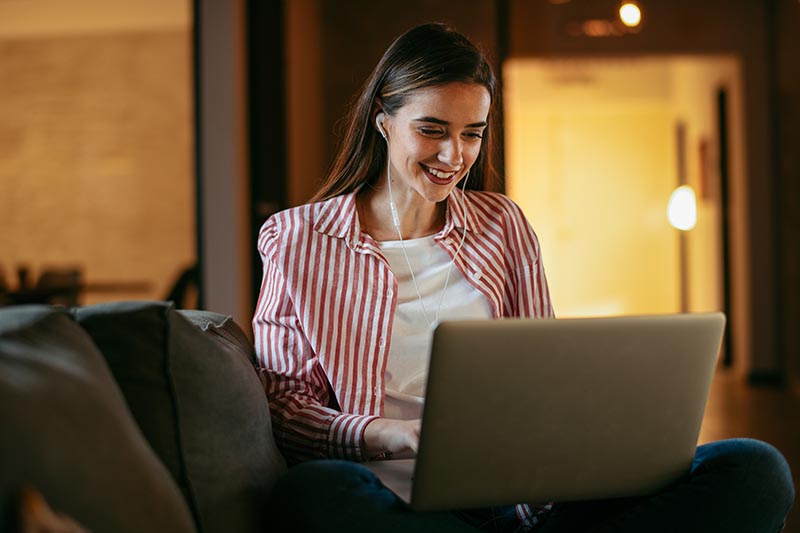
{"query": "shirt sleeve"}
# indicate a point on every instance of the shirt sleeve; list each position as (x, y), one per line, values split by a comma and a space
(307, 423)
(532, 295)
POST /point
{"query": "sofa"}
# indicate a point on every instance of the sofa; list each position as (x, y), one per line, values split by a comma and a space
(134, 417)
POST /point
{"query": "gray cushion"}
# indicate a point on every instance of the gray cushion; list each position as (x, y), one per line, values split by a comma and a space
(67, 431)
(190, 382)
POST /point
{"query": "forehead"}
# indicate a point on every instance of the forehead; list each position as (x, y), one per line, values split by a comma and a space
(465, 103)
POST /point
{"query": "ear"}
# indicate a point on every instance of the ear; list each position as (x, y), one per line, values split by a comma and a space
(379, 117)
(379, 123)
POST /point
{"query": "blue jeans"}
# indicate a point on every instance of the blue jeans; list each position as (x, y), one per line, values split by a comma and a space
(737, 485)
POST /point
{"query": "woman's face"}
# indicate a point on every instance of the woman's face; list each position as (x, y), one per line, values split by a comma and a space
(435, 138)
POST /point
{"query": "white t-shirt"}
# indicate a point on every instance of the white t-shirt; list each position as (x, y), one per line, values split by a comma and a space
(407, 365)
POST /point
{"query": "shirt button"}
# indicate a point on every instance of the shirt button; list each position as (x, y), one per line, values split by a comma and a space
(381, 342)
(376, 390)
(390, 293)
(476, 275)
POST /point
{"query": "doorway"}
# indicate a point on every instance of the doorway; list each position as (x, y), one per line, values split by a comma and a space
(593, 157)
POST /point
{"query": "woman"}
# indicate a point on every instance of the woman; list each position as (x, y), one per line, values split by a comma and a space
(355, 282)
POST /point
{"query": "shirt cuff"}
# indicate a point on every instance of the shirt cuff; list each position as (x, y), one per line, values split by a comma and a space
(346, 437)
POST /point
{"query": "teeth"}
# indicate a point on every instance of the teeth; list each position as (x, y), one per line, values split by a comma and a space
(438, 173)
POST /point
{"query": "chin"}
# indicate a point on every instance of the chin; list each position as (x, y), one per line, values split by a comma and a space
(437, 194)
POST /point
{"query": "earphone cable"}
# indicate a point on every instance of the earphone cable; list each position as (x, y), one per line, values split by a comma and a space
(396, 221)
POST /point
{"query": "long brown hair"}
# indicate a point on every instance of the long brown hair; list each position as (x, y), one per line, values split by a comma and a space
(424, 56)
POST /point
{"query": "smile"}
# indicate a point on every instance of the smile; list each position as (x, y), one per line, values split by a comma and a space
(438, 176)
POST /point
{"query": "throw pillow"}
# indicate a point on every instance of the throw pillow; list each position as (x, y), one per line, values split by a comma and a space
(190, 382)
(67, 431)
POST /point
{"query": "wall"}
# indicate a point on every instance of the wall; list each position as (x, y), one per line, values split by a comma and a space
(695, 84)
(96, 154)
(786, 112)
(697, 80)
(37, 18)
(304, 99)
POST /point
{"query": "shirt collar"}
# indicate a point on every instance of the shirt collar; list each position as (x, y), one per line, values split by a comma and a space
(461, 214)
(337, 217)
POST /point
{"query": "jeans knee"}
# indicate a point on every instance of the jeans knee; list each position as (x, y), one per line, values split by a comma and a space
(759, 470)
(769, 464)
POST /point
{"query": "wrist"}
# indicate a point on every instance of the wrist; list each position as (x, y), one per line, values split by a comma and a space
(373, 440)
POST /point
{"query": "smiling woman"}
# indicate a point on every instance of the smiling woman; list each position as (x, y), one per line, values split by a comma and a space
(355, 283)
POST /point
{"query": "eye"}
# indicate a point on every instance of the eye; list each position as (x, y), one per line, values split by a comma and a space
(431, 132)
(473, 135)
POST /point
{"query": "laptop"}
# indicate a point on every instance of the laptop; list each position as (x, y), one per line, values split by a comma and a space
(539, 410)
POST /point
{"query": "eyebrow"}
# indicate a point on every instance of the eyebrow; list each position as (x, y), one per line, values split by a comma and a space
(441, 122)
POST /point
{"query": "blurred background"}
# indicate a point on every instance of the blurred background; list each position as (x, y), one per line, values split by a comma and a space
(653, 146)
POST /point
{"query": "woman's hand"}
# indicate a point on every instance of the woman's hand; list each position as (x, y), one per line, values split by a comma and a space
(392, 437)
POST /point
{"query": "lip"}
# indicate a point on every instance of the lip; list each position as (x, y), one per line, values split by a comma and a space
(437, 180)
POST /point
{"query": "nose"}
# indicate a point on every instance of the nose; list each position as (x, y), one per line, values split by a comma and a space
(450, 153)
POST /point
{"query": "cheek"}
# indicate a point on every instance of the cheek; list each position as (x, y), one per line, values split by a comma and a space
(471, 153)
(407, 147)
(414, 151)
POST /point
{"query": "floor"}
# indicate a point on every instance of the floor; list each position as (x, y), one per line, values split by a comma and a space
(770, 414)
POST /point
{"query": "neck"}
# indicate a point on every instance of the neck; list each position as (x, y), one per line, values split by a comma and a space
(417, 217)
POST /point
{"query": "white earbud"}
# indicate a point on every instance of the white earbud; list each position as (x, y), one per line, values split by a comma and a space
(379, 124)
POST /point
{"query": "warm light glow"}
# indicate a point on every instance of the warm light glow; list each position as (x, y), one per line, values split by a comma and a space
(630, 14)
(682, 208)
(597, 28)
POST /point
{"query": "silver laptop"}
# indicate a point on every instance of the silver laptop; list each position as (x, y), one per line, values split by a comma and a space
(521, 410)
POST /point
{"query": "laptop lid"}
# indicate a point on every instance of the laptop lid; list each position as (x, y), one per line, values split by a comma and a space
(523, 410)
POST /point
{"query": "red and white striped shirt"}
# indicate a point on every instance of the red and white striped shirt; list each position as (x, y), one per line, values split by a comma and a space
(323, 321)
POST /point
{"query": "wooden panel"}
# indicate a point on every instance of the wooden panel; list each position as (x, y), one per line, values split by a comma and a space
(96, 157)
(787, 113)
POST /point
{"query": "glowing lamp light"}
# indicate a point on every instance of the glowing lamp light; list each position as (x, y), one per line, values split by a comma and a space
(630, 14)
(682, 208)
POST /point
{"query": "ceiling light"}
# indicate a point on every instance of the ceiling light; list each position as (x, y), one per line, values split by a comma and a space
(630, 14)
